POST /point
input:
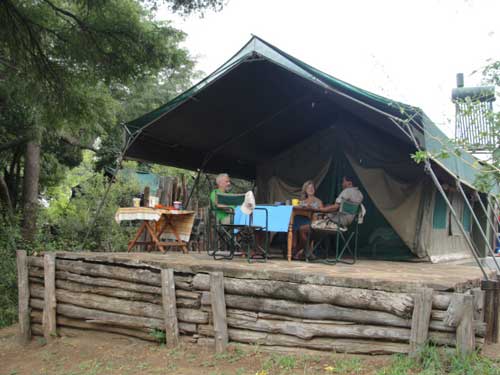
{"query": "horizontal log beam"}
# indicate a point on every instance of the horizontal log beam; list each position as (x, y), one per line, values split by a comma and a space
(36, 275)
(327, 344)
(396, 303)
(308, 331)
(136, 275)
(311, 311)
(111, 304)
(141, 333)
(232, 269)
(117, 319)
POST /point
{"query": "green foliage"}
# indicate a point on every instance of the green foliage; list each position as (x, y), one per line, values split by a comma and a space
(9, 234)
(159, 335)
(279, 362)
(69, 72)
(65, 223)
(441, 361)
(231, 355)
(186, 6)
(348, 365)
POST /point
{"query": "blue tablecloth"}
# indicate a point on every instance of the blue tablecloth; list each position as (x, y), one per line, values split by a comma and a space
(278, 217)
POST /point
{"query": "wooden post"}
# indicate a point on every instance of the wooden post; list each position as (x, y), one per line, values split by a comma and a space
(491, 309)
(218, 310)
(49, 307)
(23, 292)
(420, 320)
(478, 296)
(169, 307)
(465, 329)
(145, 234)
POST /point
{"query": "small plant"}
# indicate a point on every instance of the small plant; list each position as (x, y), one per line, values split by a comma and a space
(344, 366)
(159, 335)
(402, 364)
(287, 362)
(436, 361)
(232, 355)
(283, 362)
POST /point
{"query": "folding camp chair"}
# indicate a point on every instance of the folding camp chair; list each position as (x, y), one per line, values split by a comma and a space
(228, 238)
(324, 228)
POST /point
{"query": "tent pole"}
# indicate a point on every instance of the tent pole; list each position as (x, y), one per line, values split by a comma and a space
(492, 224)
(195, 186)
(434, 178)
(497, 205)
(429, 170)
(487, 242)
(119, 161)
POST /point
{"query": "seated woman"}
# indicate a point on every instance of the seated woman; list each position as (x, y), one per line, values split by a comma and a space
(308, 200)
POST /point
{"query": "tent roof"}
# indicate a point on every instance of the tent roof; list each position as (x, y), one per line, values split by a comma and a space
(261, 102)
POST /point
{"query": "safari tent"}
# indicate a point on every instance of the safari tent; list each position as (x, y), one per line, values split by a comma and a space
(269, 117)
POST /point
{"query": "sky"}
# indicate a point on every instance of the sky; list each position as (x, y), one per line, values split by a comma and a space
(405, 50)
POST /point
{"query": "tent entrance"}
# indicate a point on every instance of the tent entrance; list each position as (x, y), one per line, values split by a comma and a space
(377, 238)
(325, 158)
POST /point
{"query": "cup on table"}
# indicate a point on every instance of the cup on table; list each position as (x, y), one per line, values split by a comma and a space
(178, 205)
(295, 202)
(153, 201)
(136, 202)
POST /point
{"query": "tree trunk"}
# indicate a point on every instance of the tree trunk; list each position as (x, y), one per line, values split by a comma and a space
(5, 196)
(30, 188)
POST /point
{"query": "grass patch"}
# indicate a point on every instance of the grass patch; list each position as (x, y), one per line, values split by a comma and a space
(277, 364)
(440, 361)
(344, 366)
(159, 335)
(231, 355)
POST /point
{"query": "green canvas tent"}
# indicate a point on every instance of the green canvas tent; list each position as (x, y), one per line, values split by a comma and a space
(267, 116)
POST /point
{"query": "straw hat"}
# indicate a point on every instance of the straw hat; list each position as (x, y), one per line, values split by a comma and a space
(248, 204)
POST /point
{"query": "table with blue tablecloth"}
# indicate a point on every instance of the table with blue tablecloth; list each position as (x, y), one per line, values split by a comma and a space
(280, 219)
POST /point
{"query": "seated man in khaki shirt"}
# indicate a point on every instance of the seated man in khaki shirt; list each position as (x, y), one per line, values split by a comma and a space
(351, 194)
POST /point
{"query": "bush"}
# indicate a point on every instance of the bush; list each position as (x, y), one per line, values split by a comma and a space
(9, 235)
(67, 224)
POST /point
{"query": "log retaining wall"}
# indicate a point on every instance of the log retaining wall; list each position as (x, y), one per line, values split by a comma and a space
(213, 309)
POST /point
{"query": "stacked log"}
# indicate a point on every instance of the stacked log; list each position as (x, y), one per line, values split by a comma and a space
(113, 299)
(127, 300)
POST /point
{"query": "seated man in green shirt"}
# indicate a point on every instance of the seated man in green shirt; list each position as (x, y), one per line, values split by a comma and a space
(223, 185)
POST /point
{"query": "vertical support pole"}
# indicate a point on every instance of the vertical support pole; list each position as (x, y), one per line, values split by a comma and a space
(420, 320)
(219, 311)
(466, 341)
(23, 293)
(169, 307)
(478, 298)
(491, 309)
(49, 306)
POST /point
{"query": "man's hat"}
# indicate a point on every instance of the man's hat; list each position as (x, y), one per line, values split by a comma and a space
(248, 204)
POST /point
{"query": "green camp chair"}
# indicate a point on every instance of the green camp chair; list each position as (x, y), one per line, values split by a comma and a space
(228, 238)
(345, 236)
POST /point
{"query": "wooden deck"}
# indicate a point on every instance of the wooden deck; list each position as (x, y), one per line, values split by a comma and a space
(369, 274)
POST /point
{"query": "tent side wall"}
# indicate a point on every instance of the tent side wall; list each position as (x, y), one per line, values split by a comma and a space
(440, 235)
(443, 241)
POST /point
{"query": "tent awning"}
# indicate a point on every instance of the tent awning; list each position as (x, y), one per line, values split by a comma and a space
(262, 102)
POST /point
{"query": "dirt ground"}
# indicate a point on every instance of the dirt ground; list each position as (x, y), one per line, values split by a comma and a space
(91, 353)
(99, 353)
